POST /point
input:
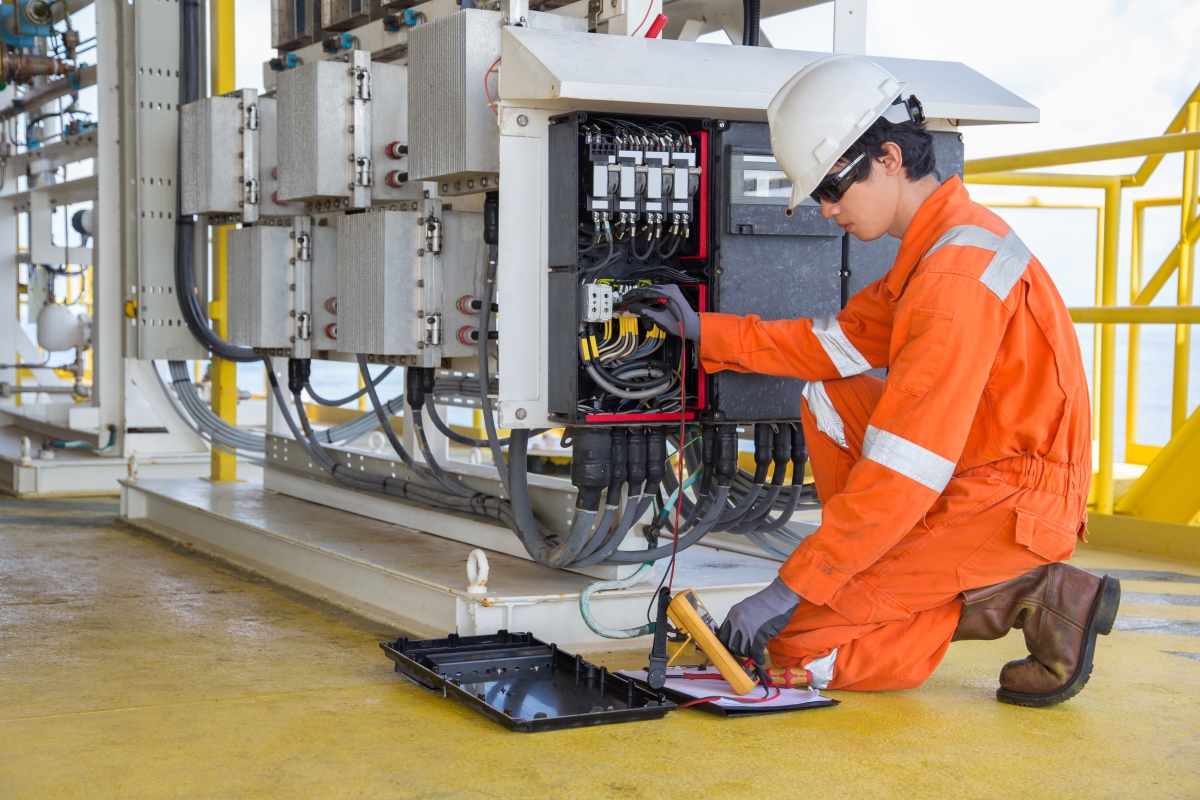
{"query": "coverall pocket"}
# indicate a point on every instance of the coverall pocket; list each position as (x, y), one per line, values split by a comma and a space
(1023, 542)
(862, 602)
(917, 367)
(1047, 538)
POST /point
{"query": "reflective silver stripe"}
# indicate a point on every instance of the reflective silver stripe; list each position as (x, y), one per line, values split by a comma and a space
(1007, 265)
(828, 420)
(967, 236)
(822, 670)
(911, 460)
(845, 356)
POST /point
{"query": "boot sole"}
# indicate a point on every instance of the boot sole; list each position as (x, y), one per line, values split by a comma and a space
(1100, 622)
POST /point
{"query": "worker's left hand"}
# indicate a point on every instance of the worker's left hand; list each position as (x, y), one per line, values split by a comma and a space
(757, 620)
(675, 315)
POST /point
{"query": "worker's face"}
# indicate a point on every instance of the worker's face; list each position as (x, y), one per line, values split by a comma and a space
(868, 208)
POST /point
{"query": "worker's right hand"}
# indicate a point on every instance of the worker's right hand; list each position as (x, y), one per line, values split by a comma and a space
(666, 315)
(757, 620)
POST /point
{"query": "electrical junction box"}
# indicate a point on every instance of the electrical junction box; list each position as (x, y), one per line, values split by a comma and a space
(268, 164)
(401, 276)
(628, 207)
(223, 137)
(699, 204)
(342, 15)
(220, 147)
(275, 268)
(295, 24)
(452, 132)
(341, 126)
(259, 301)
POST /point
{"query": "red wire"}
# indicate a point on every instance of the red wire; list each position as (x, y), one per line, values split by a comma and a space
(643, 22)
(768, 698)
(487, 91)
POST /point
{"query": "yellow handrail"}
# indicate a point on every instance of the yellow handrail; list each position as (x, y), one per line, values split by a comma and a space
(1154, 146)
(1138, 315)
(1181, 135)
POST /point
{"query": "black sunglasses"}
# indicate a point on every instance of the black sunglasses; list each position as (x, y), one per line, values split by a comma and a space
(834, 187)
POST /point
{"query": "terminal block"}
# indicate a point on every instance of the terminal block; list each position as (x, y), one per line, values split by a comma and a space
(628, 210)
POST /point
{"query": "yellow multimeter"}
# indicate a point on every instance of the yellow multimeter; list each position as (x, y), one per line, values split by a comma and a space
(689, 615)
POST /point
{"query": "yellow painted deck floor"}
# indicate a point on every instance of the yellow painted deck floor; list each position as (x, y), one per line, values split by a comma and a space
(132, 668)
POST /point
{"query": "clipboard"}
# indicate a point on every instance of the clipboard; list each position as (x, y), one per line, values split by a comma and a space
(681, 690)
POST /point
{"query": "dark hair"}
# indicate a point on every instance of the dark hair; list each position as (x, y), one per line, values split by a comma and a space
(915, 143)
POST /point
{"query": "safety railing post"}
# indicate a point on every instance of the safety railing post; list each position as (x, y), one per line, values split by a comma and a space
(1132, 373)
(224, 373)
(1187, 255)
(1108, 348)
(1096, 328)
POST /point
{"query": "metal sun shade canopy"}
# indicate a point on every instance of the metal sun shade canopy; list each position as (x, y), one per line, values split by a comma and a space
(557, 70)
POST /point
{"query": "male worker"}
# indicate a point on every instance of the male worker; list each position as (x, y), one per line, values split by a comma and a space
(952, 489)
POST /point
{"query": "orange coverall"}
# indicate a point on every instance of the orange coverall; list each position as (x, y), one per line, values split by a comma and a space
(969, 465)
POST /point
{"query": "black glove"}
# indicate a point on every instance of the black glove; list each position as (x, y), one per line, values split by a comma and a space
(667, 315)
(757, 620)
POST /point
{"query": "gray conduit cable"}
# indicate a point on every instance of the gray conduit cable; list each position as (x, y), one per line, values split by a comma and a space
(605, 532)
(204, 417)
(387, 427)
(665, 551)
(205, 436)
(617, 536)
(360, 425)
(348, 398)
(481, 352)
(434, 466)
(451, 434)
(482, 504)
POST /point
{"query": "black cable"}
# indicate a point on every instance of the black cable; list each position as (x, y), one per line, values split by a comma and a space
(750, 22)
(335, 403)
(451, 434)
(185, 279)
(387, 426)
(430, 461)
(480, 503)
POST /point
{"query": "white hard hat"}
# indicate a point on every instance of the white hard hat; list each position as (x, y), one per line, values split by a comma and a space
(823, 110)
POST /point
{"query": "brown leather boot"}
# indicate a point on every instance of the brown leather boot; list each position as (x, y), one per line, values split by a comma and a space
(1061, 609)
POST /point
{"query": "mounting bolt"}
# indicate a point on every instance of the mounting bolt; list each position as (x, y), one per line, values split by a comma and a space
(522, 120)
(520, 413)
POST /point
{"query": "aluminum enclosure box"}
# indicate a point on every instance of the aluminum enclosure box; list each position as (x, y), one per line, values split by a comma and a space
(276, 270)
(342, 15)
(259, 274)
(453, 136)
(294, 24)
(268, 161)
(220, 143)
(399, 281)
(223, 138)
(336, 119)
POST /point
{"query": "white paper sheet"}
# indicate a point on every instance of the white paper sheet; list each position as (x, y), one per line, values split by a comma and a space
(720, 688)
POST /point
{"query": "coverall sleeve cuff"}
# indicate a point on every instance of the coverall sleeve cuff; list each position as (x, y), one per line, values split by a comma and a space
(810, 577)
(720, 341)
